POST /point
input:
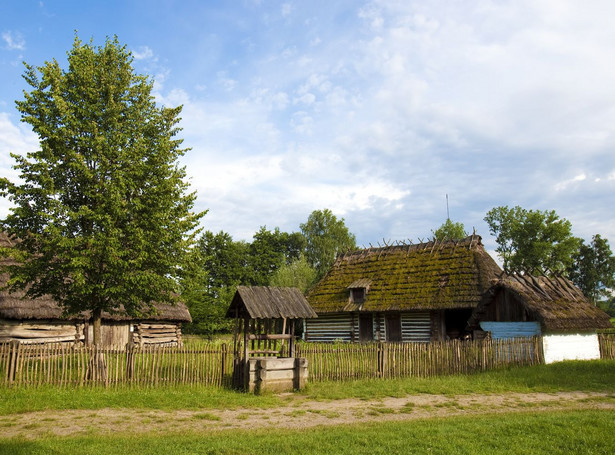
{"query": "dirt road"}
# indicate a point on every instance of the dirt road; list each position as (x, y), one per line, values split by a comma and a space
(297, 412)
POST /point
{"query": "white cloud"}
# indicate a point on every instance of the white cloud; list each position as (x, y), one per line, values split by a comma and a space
(14, 40)
(143, 53)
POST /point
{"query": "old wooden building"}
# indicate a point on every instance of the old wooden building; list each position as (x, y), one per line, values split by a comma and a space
(41, 320)
(553, 307)
(406, 292)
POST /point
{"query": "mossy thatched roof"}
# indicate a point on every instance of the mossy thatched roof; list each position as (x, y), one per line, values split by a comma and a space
(555, 302)
(425, 276)
(14, 306)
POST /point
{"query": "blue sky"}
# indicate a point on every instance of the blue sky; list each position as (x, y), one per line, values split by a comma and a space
(374, 109)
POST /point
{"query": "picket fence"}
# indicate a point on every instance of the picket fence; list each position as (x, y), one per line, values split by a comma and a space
(212, 364)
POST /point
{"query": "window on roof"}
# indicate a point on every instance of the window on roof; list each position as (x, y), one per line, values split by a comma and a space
(357, 295)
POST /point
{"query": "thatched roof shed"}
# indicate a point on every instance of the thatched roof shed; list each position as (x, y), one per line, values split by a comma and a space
(555, 302)
(266, 302)
(427, 276)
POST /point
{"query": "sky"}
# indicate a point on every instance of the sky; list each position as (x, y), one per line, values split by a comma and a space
(376, 110)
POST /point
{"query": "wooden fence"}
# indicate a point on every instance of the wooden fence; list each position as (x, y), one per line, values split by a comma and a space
(607, 345)
(396, 360)
(78, 365)
(212, 364)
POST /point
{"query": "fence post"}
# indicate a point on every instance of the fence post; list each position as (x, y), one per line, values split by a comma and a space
(12, 366)
(223, 369)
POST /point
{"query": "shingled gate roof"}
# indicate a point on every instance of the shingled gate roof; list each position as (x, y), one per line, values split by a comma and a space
(553, 301)
(14, 306)
(265, 302)
(431, 275)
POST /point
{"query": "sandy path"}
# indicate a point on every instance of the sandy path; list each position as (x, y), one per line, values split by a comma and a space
(297, 413)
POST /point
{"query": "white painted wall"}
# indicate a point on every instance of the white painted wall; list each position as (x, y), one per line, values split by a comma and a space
(573, 346)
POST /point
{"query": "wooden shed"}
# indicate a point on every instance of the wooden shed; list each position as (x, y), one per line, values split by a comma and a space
(520, 305)
(404, 292)
(265, 320)
(42, 320)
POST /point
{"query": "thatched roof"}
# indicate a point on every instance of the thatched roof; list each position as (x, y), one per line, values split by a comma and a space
(265, 302)
(15, 306)
(554, 302)
(432, 275)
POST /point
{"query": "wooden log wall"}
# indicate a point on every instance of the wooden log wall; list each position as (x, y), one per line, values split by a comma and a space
(163, 333)
(40, 331)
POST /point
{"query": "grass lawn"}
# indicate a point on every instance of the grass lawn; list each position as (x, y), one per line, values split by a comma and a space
(592, 376)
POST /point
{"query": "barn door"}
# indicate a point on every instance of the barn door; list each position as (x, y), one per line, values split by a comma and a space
(393, 327)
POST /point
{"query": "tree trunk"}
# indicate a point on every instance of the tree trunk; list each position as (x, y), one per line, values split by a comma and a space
(98, 367)
(96, 322)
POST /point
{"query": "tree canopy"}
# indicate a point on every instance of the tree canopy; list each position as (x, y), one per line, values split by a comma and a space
(593, 268)
(450, 230)
(102, 209)
(325, 237)
(532, 241)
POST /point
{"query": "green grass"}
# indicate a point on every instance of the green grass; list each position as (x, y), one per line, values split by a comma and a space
(594, 376)
(579, 432)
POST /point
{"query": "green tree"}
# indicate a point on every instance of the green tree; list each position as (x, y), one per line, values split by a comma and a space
(102, 210)
(593, 268)
(298, 274)
(219, 266)
(532, 241)
(325, 236)
(450, 231)
(270, 250)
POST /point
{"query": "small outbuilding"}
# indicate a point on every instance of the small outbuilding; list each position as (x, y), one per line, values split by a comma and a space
(521, 305)
(42, 320)
(265, 319)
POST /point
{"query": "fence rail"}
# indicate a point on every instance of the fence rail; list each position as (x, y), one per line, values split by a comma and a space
(212, 364)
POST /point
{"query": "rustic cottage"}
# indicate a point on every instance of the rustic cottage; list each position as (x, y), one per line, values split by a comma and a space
(523, 305)
(418, 292)
(41, 320)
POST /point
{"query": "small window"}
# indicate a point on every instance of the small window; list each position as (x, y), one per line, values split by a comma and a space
(357, 295)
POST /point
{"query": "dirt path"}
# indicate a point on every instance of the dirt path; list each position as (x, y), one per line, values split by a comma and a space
(297, 413)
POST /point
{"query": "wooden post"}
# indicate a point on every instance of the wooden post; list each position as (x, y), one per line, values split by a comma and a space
(291, 341)
(12, 366)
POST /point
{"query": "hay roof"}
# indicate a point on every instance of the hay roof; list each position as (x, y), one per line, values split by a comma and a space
(554, 302)
(431, 275)
(265, 302)
(15, 306)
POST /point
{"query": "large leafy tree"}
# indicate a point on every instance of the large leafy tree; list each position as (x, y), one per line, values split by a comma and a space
(532, 241)
(102, 209)
(326, 236)
(593, 268)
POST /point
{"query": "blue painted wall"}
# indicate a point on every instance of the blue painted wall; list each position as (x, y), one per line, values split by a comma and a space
(503, 330)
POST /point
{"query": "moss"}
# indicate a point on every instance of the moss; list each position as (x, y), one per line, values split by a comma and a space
(449, 275)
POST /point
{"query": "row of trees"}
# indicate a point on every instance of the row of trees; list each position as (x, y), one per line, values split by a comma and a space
(274, 258)
(540, 242)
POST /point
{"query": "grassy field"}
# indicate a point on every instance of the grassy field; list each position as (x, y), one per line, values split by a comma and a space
(547, 431)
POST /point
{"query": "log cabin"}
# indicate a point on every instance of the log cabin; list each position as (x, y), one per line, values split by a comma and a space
(521, 305)
(42, 320)
(401, 293)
